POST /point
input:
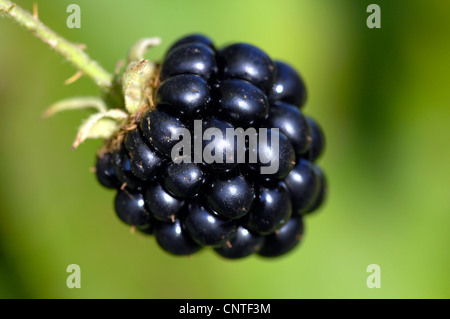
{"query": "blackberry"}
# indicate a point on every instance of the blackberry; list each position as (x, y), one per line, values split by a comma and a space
(190, 162)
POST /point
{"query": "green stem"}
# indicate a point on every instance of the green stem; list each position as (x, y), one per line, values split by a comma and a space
(72, 52)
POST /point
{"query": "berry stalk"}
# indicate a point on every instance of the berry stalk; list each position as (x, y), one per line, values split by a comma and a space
(71, 51)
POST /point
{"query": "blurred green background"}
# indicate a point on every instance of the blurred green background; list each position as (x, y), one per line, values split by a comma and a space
(382, 96)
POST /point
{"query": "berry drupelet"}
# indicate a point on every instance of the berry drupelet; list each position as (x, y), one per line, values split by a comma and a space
(187, 201)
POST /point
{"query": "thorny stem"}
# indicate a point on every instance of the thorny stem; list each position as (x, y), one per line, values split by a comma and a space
(71, 51)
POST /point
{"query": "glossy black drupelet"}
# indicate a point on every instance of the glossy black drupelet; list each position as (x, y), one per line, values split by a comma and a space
(322, 193)
(288, 86)
(161, 204)
(284, 240)
(219, 153)
(247, 62)
(144, 160)
(271, 211)
(231, 197)
(206, 227)
(317, 144)
(243, 244)
(122, 169)
(105, 173)
(291, 122)
(184, 180)
(130, 208)
(303, 184)
(220, 192)
(274, 154)
(242, 103)
(192, 58)
(184, 95)
(158, 127)
(173, 239)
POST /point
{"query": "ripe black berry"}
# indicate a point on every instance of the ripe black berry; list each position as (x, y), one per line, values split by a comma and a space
(174, 240)
(288, 86)
(206, 227)
(243, 244)
(184, 95)
(184, 180)
(232, 197)
(161, 204)
(247, 62)
(216, 151)
(272, 209)
(191, 58)
(284, 239)
(242, 103)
